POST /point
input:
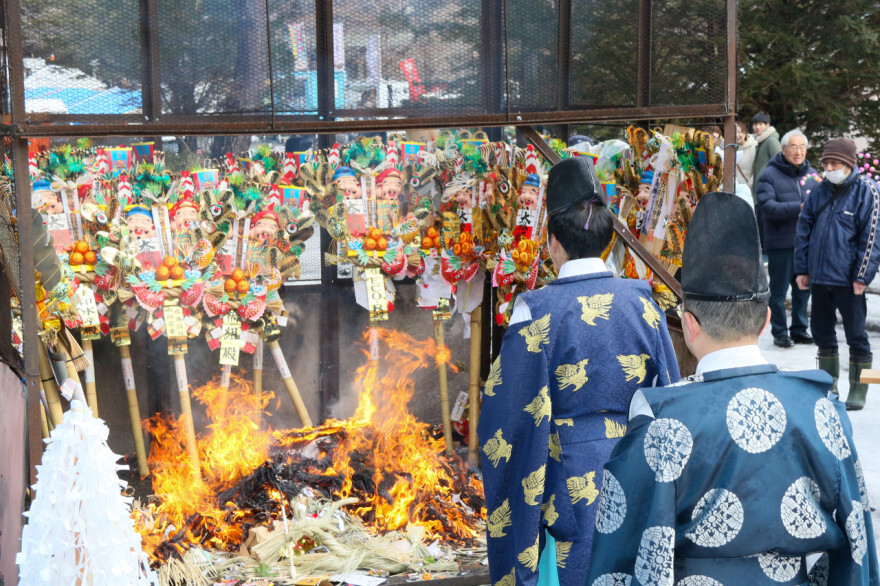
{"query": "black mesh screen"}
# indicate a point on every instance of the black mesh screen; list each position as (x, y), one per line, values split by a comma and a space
(403, 54)
(688, 52)
(532, 30)
(213, 56)
(82, 57)
(368, 59)
(604, 53)
(294, 58)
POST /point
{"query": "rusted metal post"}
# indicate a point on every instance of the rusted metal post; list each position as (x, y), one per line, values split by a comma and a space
(730, 119)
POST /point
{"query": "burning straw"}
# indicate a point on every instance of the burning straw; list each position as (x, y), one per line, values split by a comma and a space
(268, 495)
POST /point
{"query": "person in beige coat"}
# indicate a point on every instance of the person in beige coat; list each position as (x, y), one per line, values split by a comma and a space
(746, 146)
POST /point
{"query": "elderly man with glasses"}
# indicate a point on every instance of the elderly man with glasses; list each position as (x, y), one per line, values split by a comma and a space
(782, 190)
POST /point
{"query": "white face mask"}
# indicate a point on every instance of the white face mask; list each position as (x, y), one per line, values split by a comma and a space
(837, 176)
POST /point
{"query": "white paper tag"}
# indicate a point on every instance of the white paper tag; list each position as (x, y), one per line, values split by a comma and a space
(357, 579)
(460, 403)
(86, 307)
(127, 374)
(280, 362)
(72, 391)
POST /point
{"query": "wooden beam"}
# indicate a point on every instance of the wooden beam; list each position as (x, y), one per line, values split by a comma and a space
(620, 228)
(870, 376)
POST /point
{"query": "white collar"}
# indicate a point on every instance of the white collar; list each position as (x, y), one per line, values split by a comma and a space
(582, 266)
(572, 268)
(736, 357)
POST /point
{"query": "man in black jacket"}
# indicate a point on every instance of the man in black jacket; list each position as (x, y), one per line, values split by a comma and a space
(782, 189)
(837, 255)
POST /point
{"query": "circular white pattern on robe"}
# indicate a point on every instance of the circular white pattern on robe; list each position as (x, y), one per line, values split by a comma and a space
(612, 505)
(668, 446)
(779, 568)
(655, 556)
(698, 580)
(755, 419)
(831, 429)
(863, 489)
(855, 531)
(615, 579)
(719, 517)
(800, 511)
(818, 575)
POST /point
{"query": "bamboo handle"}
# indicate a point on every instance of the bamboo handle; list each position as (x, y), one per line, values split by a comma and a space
(292, 389)
(50, 427)
(223, 397)
(134, 412)
(444, 388)
(44, 422)
(186, 411)
(258, 380)
(53, 398)
(89, 375)
(474, 407)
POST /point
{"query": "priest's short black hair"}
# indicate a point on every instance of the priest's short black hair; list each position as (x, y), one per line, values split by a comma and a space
(731, 320)
(568, 228)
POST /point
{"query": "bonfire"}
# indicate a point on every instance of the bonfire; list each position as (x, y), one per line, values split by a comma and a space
(374, 492)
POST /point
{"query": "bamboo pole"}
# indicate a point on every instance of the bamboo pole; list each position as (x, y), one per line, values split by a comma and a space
(258, 380)
(186, 412)
(444, 386)
(44, 422)
(89, 375)
(223, 397)
(292, 389)
(374, 344)
(474, 407)
(44, 405)
(134, 411)
(53, 398)
(71, 369)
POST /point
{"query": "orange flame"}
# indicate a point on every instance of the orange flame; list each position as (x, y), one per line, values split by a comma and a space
(402, 475)
(233, 447)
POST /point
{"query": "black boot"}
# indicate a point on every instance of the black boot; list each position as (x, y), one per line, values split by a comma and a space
(830, 363)
(858, 390)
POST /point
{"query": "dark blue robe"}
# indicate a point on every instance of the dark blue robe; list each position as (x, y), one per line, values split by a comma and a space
(554, 405)
(734, 480)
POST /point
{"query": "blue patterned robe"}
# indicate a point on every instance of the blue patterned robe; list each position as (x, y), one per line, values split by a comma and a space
(734, 480)
(554, 406)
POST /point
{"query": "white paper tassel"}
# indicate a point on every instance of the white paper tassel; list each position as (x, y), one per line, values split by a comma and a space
(79, 527)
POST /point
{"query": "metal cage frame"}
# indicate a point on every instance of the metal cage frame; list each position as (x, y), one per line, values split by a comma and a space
(18, 126)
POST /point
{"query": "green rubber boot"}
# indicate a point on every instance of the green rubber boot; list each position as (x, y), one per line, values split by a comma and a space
(831, 364)
(858, 390)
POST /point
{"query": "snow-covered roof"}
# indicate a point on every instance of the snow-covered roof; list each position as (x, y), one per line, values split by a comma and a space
(63, 90)
(41, 74)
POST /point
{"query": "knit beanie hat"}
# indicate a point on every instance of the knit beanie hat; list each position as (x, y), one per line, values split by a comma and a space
(761, 117)
(840, 149)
